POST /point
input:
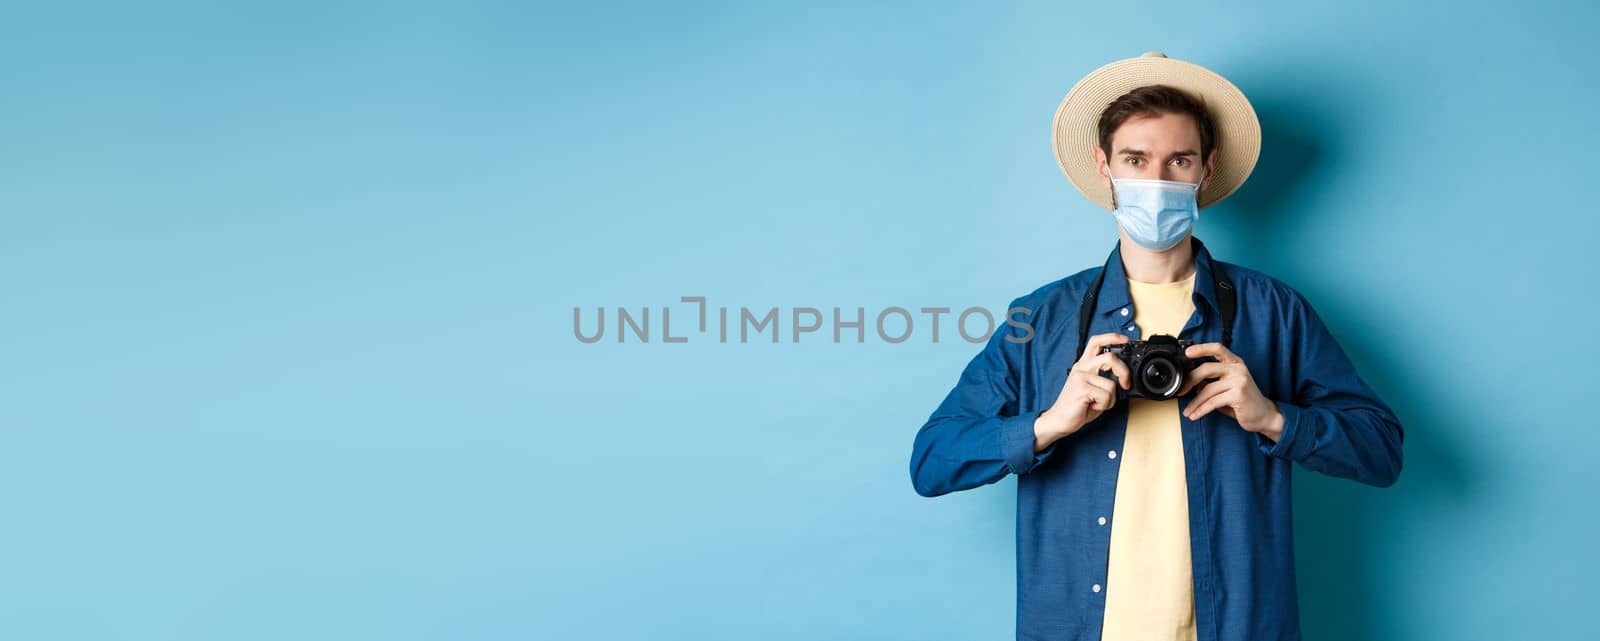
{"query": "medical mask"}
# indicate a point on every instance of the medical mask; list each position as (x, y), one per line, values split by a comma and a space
(1155, 213)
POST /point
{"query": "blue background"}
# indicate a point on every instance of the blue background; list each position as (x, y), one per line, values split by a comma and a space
(287, 345)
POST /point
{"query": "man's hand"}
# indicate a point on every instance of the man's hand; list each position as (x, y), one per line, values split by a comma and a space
(1086, 394)
(1226, 386)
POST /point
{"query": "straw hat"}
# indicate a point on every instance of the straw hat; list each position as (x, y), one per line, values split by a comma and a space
(1074, 132)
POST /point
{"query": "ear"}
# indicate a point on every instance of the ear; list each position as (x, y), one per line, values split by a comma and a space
(1211, 167)
(1100, 166)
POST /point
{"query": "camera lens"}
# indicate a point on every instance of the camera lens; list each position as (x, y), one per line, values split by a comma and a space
(1160, 376)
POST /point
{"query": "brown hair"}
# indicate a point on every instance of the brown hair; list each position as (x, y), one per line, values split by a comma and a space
(1155, 100)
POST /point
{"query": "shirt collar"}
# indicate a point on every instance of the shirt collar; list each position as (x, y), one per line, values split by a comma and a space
(1114, 291)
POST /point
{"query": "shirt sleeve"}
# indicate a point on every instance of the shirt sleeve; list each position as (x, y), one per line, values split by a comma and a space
(977, 435)
(1335, 424)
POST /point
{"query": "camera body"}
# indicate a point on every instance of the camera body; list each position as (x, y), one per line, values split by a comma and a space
(1158, 366)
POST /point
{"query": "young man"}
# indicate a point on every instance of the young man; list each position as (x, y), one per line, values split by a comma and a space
(1165, 515)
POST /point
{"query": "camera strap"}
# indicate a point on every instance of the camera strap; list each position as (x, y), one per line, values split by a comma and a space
(1225, 299)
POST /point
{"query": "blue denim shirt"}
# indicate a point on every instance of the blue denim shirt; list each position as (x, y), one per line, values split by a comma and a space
(1240, 524)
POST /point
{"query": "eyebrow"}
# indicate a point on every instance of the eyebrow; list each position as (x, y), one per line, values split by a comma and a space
(1125, 151)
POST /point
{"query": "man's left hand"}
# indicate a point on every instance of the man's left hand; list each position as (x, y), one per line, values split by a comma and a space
(1228, 388)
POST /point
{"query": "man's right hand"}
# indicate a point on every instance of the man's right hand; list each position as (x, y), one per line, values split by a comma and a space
(1086, 394)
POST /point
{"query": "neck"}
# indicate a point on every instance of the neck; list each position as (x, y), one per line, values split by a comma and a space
(1147, 266)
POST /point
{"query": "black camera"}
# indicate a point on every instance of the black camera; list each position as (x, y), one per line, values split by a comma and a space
(1158, 365)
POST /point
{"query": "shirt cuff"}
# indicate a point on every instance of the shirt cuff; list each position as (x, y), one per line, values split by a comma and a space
(1017, 441)
(1286, 446)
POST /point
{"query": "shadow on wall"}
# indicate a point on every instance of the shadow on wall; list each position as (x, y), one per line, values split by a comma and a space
(1342, 527)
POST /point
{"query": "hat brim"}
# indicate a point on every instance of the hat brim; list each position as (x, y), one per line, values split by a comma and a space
(1074, 131)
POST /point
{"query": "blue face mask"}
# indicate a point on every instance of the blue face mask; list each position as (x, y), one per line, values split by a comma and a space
(1155, 213)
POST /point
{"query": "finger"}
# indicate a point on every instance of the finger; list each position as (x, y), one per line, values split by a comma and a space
(1206, 393)
(1097, 341)
(1101, 382)
(1099, 394)
(1216, 350)
(1100, 399)
(1109, 361)
(1212, 402)
(1203, 372)
(1218, 402)
(1100, 363)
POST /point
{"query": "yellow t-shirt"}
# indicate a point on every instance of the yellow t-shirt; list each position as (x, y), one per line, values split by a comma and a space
(1149, 578)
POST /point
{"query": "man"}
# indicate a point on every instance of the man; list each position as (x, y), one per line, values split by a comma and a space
(1155, 518)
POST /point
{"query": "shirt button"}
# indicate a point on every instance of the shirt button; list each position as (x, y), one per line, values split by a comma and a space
(1132, 328)
(1102, 520)
(1111, 454)
(1096, 587)
(1124, 311)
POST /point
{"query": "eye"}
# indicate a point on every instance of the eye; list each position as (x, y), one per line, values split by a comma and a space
(1132, 160)
(1182, 162)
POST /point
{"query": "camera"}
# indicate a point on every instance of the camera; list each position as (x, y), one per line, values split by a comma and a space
(1158, 366)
